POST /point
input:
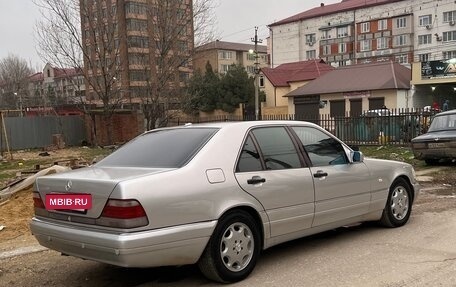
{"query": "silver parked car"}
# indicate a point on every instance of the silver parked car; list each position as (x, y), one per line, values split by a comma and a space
(217, 195)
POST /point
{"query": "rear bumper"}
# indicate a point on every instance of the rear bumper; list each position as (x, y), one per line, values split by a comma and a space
(437, 153)
(177, 245)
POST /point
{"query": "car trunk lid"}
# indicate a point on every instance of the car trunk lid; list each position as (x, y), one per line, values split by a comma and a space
(98, 182)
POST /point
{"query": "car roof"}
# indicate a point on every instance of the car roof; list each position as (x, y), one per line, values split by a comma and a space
(241, 124)
(450, 112)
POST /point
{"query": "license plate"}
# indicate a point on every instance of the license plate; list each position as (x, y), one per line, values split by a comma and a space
(79, 202)
(436, 145)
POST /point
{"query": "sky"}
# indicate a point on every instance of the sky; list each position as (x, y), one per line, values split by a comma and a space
(236, 20)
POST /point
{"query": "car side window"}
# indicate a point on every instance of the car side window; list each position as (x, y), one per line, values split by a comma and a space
(277, 148)
(321, 148)
(250, 158)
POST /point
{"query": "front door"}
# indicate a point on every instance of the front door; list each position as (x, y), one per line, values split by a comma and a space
(342, 189)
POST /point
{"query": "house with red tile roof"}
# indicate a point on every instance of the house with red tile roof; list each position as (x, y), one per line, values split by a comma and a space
(279, 81)
(353, 89)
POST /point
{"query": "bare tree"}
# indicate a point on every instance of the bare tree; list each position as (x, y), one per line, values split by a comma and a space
(172, 29)
(81, 34)
(14, 73)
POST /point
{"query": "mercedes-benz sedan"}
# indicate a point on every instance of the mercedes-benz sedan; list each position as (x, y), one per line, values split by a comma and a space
(217, 195)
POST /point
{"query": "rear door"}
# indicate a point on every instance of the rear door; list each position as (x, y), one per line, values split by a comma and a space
(271, 169)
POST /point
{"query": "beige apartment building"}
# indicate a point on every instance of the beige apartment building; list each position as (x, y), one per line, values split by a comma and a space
(127, 38)
(221, 55)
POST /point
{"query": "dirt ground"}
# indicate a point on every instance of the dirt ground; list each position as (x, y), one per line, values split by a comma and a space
(15, 215)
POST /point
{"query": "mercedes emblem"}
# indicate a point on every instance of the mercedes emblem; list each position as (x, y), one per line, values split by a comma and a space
(68, 186)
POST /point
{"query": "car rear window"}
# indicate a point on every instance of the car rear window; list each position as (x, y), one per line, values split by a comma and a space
(444, 122)
(171, 148)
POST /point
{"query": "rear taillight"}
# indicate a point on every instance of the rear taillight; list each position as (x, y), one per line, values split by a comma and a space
(123, 213)
(37, 202)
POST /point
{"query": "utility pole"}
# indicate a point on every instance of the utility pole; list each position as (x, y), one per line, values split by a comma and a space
(257, 72)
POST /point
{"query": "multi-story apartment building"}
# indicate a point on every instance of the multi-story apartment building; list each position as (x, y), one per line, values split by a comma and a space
(54, 88)
(345, 33)
(131, 41)
(417, 33)
(221, 55)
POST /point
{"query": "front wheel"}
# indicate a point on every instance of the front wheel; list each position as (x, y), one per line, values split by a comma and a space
(233, 249)
(399, 204)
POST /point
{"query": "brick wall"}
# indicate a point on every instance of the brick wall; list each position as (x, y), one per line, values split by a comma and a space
(125, 126)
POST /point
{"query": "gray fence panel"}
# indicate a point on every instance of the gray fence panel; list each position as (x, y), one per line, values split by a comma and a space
(36, 132)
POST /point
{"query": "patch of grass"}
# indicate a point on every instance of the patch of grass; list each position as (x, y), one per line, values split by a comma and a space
(390, 152)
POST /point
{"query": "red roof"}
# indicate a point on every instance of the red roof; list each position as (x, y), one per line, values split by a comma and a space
(36, 77)
(67, 72)
(345, 5)
(284, 74)
(361, 77)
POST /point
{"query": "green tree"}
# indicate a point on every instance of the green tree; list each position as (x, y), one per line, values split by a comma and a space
(236, 88)
(204, 90)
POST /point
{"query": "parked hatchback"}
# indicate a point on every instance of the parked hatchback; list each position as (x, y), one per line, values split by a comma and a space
(217, 195)
(439, 143)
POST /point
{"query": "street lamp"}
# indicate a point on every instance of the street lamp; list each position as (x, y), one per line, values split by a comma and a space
(20, 103)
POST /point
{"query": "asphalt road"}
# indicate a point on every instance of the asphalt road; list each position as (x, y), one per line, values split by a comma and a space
(422, 253)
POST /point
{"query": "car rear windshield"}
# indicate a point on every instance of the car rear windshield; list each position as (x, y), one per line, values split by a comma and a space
(171, 148)
(445, 122)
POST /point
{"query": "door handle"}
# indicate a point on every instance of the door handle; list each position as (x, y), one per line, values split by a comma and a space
(256, 180)
(320, 174)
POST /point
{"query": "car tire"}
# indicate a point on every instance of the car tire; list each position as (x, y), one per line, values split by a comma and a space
(399, 204)
(232, 252)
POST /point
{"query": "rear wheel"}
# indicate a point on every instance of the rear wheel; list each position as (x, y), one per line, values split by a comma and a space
(399, 204)
(233, 249)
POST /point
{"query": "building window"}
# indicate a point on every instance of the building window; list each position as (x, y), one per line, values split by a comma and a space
(136, 25)
(425, 20)
(261, 80)
(365, 45)
(138, 42)
(449, 16)
(310, 38)
(424, 39)
(342, 63)
(365, 27)
(449, 36)
(138, 75)
(310, 55)
(342, 32)
(449, 55)
(327, 50)
(382, 43)
(382, 24)
(250, 69)
(250, 56)
(342, 48)
(401, 22)
(225, 55)
(424, 57)
(135, 8)
(224, 69)
(400, 40)
(326, 34)
(402, 59)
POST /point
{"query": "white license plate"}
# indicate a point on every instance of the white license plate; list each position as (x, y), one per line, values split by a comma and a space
(436, 145)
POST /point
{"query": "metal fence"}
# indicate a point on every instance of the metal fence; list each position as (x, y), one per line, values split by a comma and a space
(37, 132)
(377, 127)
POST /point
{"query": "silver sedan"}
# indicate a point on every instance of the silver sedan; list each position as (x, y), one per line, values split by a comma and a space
(217, 195)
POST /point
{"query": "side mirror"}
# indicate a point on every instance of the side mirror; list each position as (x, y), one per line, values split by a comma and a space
(357, 156)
